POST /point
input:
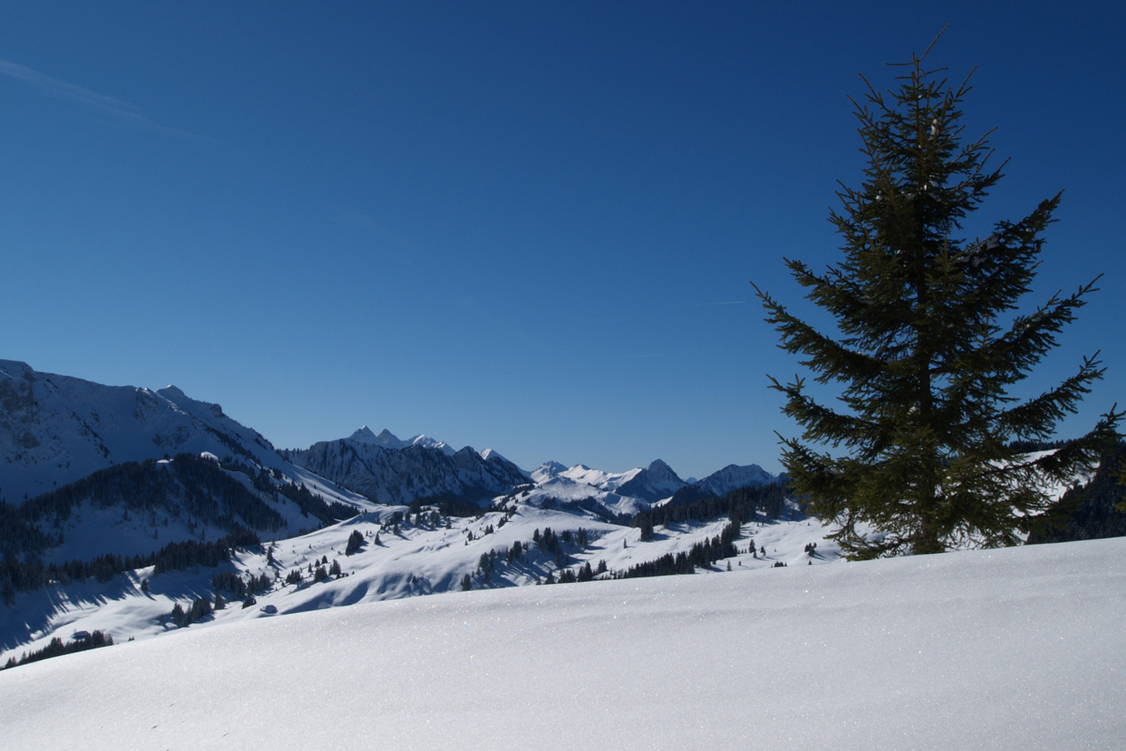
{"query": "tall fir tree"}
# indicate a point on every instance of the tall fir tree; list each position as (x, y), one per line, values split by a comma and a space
(920, 456)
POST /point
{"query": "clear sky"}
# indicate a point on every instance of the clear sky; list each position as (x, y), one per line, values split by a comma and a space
(527, 225)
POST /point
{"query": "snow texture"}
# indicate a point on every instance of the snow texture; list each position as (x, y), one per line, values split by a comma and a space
(1019, 649)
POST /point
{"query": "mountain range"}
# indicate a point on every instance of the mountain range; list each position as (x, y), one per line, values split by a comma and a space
(56, 429)
(388, 470)
(121, 502)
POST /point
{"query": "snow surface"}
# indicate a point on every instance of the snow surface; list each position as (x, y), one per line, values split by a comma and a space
(1021, 648)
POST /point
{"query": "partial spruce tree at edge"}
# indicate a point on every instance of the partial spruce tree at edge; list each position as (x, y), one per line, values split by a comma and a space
(924, 357)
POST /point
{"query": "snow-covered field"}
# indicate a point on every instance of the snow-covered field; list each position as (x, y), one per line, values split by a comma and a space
(1022, 648)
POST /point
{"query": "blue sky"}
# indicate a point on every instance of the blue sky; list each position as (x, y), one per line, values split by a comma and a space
(524, 225)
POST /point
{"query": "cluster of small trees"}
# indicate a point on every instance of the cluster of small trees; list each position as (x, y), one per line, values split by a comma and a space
(486, 564)
(21, 575)
(423, 518)
(177, 556)
(700, 555)
(200, 608)
(58, 647)
(235, 586)
(309, 502)
(319, 571)
(556, 545)
(583, 573)
(189, 485)
(767, 501)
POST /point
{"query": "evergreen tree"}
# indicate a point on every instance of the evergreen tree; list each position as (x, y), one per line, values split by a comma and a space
(355, 542)
(201, 608)
(927, 354)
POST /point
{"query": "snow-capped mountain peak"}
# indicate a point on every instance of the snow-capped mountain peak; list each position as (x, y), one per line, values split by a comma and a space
(491, 455)
(547, 470)
(431, 443)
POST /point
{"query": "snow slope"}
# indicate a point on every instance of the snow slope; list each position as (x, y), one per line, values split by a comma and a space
(1020, 648)
(418, 559)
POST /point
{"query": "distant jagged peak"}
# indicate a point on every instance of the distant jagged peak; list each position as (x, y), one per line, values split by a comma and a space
(172, 392)
(547, 471)
(429, 442)
(388, 440)
(363, 434)
(385, 438)
(385, 435)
